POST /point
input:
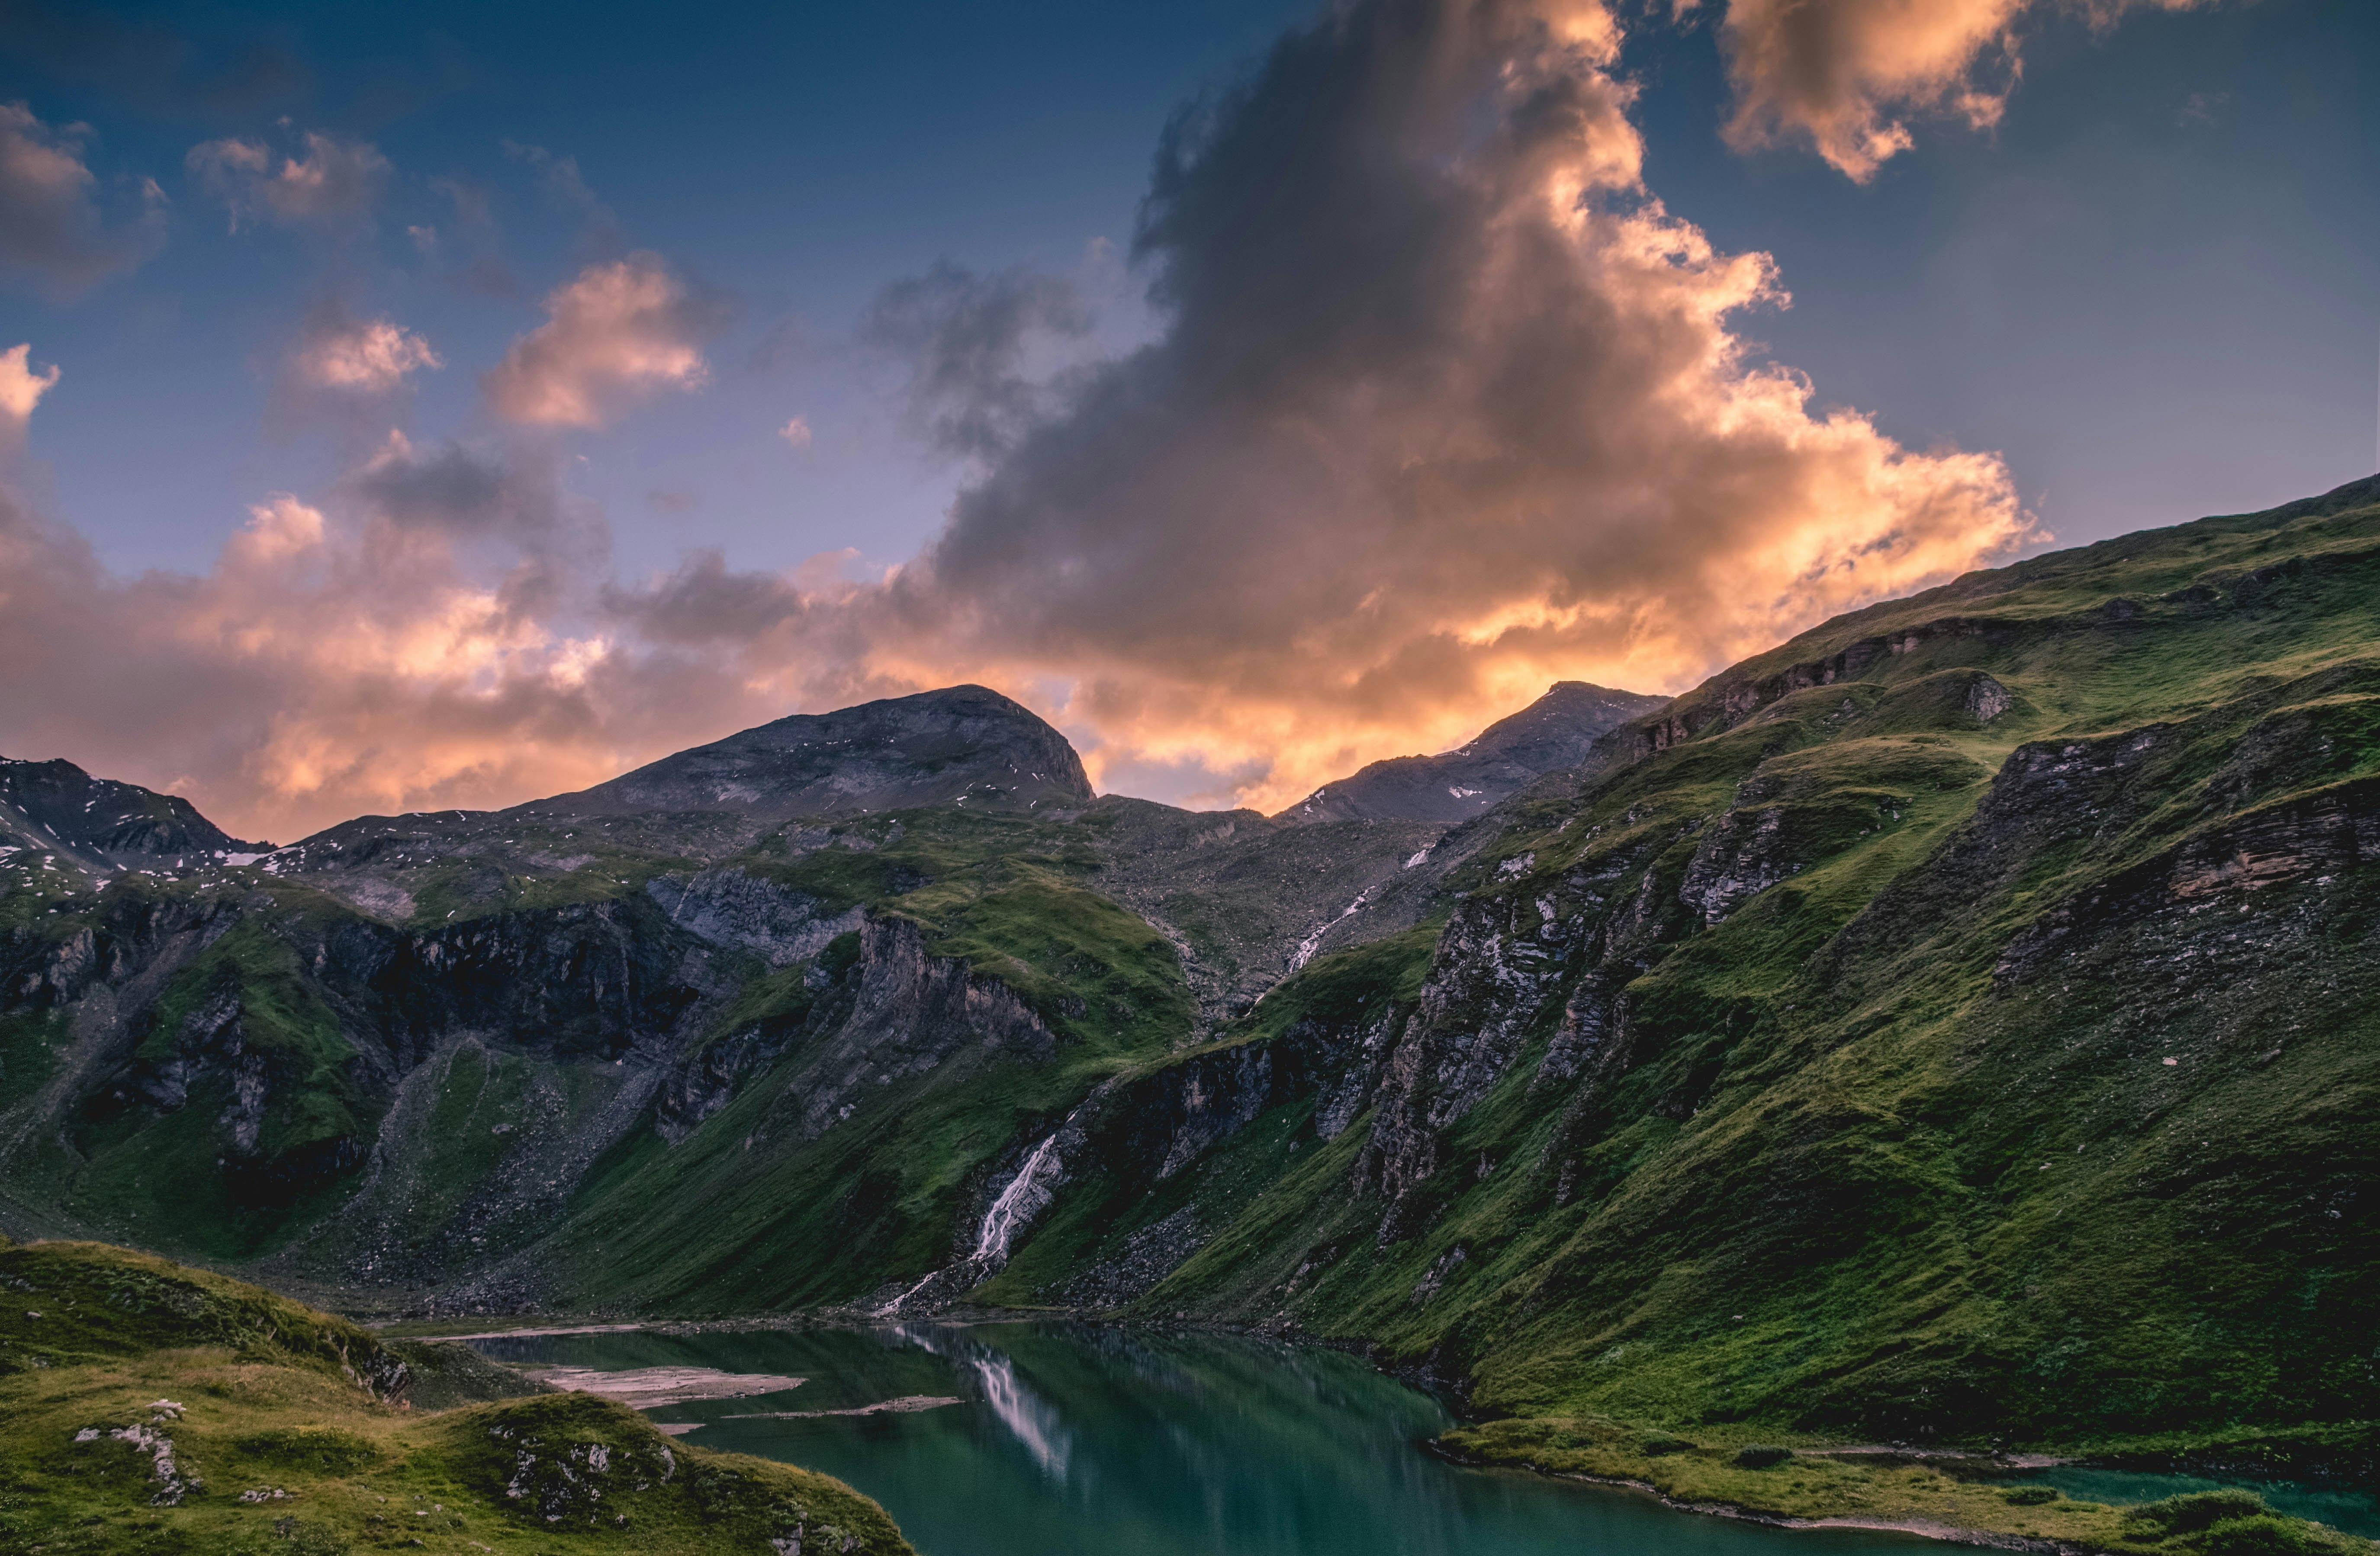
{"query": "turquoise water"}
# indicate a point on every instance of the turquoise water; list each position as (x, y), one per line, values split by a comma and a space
(2357, 1513)
(1080, 1442)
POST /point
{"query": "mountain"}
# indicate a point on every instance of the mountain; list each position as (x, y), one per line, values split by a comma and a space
(56, 810)
(1956, 1024)
(1553, 733)
(959, 745)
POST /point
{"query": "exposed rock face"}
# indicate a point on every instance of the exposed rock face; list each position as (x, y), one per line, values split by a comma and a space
(961, 744)
(1554, 733)
(734, 907)
(1145, 1258)
(1497, 965)
(911, 1011)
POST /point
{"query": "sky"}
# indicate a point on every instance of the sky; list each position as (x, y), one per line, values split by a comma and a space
(405, 407)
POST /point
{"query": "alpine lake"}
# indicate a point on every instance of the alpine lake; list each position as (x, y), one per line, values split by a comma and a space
(1048, 1439)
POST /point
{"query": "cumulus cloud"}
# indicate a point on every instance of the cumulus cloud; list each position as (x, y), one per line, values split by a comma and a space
(1446, 404)
(616, 335)
(358, 356)
(53, 235)
(351, 652)
(797, 433)
(1847, 75)
(20, 390)
(332, 186)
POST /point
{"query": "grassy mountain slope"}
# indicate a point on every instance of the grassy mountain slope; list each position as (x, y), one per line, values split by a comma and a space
(1956, 1022)
(148, 1406)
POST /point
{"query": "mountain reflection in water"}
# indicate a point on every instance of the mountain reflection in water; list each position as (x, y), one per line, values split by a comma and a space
(1081, 1441)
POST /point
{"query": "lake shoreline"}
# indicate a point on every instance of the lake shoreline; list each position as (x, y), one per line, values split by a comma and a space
(1974, 1467)
(1926, 1528)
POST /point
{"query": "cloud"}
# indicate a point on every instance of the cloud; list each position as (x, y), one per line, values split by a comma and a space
(20, 390)
(53, 235)
(1847, 75)
(334, 187)
(358, 356)
(967, 339)
(797, 433)
(1445, 403)
(565, 187)
(154, 70)
(400, 642)
(617, 335)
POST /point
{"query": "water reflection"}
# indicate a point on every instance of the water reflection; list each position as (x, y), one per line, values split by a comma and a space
(1030, 1421)
(1088, 1441)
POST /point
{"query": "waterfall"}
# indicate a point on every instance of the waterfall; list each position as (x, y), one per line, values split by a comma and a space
(1025, 1196)
(1018, 1203)
(1313, 942)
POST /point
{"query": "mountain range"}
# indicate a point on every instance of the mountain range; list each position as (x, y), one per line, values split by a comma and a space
(1956, 1022)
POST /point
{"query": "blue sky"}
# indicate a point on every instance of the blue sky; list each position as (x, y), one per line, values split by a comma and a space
(2153, 289)
(797, 158)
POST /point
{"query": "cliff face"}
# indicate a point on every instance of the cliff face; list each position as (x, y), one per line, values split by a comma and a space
(1958, 1020)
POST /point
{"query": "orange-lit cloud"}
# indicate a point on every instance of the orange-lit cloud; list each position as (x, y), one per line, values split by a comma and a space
(345, 655)
(618, 333)
(1449, 407)
(20, 390)
(333, 186)
(361, 356)
(1446, 406)
(1848, 76)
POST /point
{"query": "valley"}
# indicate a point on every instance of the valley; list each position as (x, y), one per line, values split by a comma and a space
(1953, 1027)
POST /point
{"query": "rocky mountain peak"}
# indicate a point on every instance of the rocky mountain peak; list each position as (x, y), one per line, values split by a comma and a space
(1553, 733)
(965, 744)
(57, 808)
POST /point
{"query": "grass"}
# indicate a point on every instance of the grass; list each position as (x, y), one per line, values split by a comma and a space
(1856, 1172)
(1950, 1080)
(291, 1432)
(1730, 1472)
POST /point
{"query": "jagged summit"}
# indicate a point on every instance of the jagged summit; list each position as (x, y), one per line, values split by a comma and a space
(965, 743)
(56, 808)
(1552, 732)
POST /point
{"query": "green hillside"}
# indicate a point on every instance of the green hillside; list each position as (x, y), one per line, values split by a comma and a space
(1958, 1023)
(150, 1406)
(1954, 1026)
